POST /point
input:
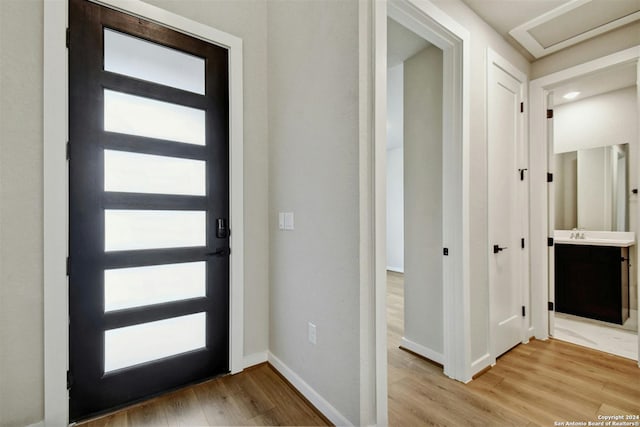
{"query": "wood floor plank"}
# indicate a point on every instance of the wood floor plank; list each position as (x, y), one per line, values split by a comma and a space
(256, 396)
(584, 399)
(149, 414)
(218, 404)
(279, 390)
(251, 398)
(183, 409)
(119, 419)
(606, 409)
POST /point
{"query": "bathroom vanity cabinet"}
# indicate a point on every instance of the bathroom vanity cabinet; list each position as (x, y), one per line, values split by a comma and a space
(592, 281)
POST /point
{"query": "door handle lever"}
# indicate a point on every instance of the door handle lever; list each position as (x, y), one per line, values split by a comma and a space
(497, 249)
(220, 252)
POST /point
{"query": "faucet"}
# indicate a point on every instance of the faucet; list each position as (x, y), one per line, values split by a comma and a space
(577, 233)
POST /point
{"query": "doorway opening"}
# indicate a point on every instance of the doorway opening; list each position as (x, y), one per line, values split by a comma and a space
(415, 314)
(594, 254)
(432, 25)
(414, 193)
(56, 197)
(149, 254)
(593, 156)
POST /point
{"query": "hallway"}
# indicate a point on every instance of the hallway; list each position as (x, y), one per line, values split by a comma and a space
(534, 384)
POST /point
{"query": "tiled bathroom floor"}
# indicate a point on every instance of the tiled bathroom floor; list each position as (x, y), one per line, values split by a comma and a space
(596, 335)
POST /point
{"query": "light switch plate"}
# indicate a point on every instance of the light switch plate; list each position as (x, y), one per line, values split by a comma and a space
(288, 220)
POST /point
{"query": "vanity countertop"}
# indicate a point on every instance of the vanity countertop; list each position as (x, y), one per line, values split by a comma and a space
(622, 239)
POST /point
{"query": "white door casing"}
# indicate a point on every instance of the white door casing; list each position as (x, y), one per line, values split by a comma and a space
(427, 21)
(424, 18)
(505, 141)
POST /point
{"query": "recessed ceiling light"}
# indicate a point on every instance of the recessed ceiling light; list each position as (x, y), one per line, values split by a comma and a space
(571, 95)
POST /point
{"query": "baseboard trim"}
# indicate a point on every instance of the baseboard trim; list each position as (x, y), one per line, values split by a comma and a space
(309, 393)
(395, 269)
(38, 424)
(480, 364)
(255, 359)
(421, 350)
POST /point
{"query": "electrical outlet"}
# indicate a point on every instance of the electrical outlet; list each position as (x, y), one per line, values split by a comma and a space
(312, 333)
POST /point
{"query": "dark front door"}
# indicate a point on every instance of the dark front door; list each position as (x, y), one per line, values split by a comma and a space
(149, 203)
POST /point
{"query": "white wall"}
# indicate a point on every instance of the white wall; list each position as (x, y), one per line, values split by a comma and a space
(605, 44)
(395, 210)
(482, 37)
(313, 172)
(395, 187)
(607, 119)
(21, 289)
(395, 106)
(423, 315)
(602, 120)
(21, 262)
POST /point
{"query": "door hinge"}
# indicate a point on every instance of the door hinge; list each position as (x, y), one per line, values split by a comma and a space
(69, 380)
(445, 251)
(549, 177)
(68, 265)
(68, 37)
(522, 107)
(550, 305)
(549, 114)
(522, 173)
(524, 312)
(522, 243)
(68, 150)
(549, 241)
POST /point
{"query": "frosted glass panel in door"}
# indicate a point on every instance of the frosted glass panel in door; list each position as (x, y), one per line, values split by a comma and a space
(145, 173)
(131, 56)
(147, 229)
(132, 345)
(136, 115)
(153, 284)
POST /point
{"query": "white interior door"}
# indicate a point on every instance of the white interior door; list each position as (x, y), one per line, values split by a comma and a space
(505, 234)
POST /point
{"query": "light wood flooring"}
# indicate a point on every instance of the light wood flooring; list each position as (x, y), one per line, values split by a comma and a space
(534, 384)
(257, 396)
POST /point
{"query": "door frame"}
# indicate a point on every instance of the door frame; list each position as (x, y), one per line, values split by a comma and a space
(56, 184)
(494, 59)
(539, 89)
(435, 26)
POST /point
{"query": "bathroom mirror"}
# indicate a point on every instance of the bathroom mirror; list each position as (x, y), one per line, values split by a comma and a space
(592, 189)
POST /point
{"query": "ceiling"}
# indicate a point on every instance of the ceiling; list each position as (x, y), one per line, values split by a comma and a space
(402, 43)
(608, 80)
(540, 27)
